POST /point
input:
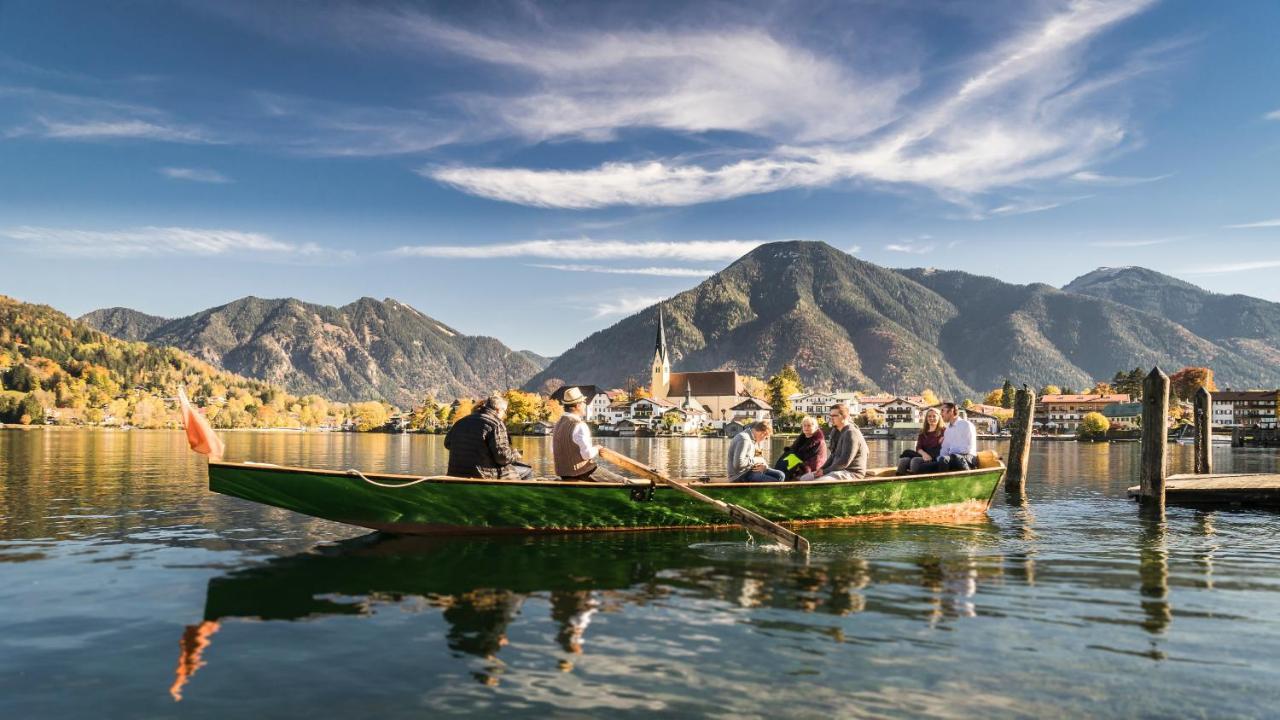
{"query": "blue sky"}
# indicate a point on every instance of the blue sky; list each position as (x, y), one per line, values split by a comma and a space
(537, 171)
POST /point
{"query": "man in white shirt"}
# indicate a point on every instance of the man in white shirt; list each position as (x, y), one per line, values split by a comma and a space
(571, 448)
(959, 443)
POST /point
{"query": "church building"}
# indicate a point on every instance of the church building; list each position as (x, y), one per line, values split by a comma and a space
(716, 392)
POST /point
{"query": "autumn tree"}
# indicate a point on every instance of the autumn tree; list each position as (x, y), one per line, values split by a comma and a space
(1102, 388)
(1184, 383)
(930, 397)
(370, 415)
(427, 415)
(995, 397)
(522, 407)
(462, 407)
(779, 391)
(754, 386)
(1050, 390)
(1094, 424)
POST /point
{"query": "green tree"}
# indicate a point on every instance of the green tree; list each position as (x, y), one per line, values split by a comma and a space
(20, 378)
(30, 411)
(427, 415)
(1006, 394)
(1094, 424)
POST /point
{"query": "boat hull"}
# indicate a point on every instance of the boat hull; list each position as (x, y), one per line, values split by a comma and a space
(449, 506)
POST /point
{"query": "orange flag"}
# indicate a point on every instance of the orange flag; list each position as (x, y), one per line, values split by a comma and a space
(200, 436)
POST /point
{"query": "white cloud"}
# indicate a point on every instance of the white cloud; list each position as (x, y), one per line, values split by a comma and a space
(656, 271)
(585, 249)
(195, 175)
(150, 241)
(119, 130)
(1019, 117)
(1092, 178)
(855, 249)
(910, 248)
(1273, 115)
(1259, 224)
(1234, 267)
(624, 306)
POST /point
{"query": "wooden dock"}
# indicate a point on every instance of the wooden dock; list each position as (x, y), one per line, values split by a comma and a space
(1253, 489)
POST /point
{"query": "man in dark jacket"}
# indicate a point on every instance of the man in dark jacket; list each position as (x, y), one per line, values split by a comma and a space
(479, 448)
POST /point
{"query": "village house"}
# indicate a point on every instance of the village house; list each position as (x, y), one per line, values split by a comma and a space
(751, 410)
(1247, 408)
(1123, 416)
(1062, 413)
(984, 423)
(901, 409)
(598, 402)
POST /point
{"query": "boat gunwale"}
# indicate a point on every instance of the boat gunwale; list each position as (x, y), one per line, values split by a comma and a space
(870, 479)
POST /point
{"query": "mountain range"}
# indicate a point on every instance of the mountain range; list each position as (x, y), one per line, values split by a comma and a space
(368, 349)
(844, 322)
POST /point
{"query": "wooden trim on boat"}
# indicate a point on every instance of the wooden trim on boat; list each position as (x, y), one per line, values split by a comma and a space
(873, 476)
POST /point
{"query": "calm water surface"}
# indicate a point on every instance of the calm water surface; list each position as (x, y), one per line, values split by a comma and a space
(128, 590)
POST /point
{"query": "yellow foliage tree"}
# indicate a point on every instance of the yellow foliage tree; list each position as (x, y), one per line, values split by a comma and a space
(930, 397)
(461, 408)
(995, 397)
(1094, 423)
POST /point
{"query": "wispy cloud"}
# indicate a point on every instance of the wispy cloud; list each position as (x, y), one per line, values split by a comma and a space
(1233, 267)
(1259, 224)
(586, 249)
(656, 271)
(1137, 243)
(151, 241)
(195, 175)
(1273, 115)
(624, 306)
(119, 130)
(855, 249)
(1025, 207)
(911, 248)
(1089, 177)
(1020, 116)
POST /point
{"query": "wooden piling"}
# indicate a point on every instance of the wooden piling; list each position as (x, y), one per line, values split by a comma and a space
(1204, 432)
(1024, 408)
(1155, 438)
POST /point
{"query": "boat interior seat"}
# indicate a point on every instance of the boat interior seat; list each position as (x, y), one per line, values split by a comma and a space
(886, 472)
(988, 459)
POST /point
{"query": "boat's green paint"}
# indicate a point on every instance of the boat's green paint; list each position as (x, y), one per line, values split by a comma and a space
(453, 505)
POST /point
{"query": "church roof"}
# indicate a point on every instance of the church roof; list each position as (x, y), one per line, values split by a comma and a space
(705, 384)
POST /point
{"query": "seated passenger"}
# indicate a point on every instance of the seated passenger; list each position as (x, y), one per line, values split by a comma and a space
(848, 459)
(806, 454)
(928, 444)
(959, 444)
(571, 448)
(746, 455)
(479, 448)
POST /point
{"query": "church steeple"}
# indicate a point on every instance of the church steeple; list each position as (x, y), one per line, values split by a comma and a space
(660, 345)
(660, 377)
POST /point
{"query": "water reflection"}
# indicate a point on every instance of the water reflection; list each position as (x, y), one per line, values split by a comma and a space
(481, 587)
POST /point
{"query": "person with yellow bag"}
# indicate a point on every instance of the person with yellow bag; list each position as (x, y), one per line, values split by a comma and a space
(806, 453)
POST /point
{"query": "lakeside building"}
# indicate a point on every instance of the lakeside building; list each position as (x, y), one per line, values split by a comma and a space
(1123, 416)
(899, 409)
(1062, 413)
(1246, 408)
(598, 401)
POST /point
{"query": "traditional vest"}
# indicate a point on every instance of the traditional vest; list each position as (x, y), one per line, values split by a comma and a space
(568, 458)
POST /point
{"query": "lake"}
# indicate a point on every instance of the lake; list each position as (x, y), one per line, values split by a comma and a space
(129, 590)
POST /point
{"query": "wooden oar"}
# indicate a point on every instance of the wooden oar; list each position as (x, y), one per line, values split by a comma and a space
(740, 515)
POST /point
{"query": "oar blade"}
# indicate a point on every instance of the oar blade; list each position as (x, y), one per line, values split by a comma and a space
(768, 528)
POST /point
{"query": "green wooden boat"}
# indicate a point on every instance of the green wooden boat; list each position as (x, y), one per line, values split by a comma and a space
(406, 504)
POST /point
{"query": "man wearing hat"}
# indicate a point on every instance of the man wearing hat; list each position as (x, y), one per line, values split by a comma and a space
(571, 446)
